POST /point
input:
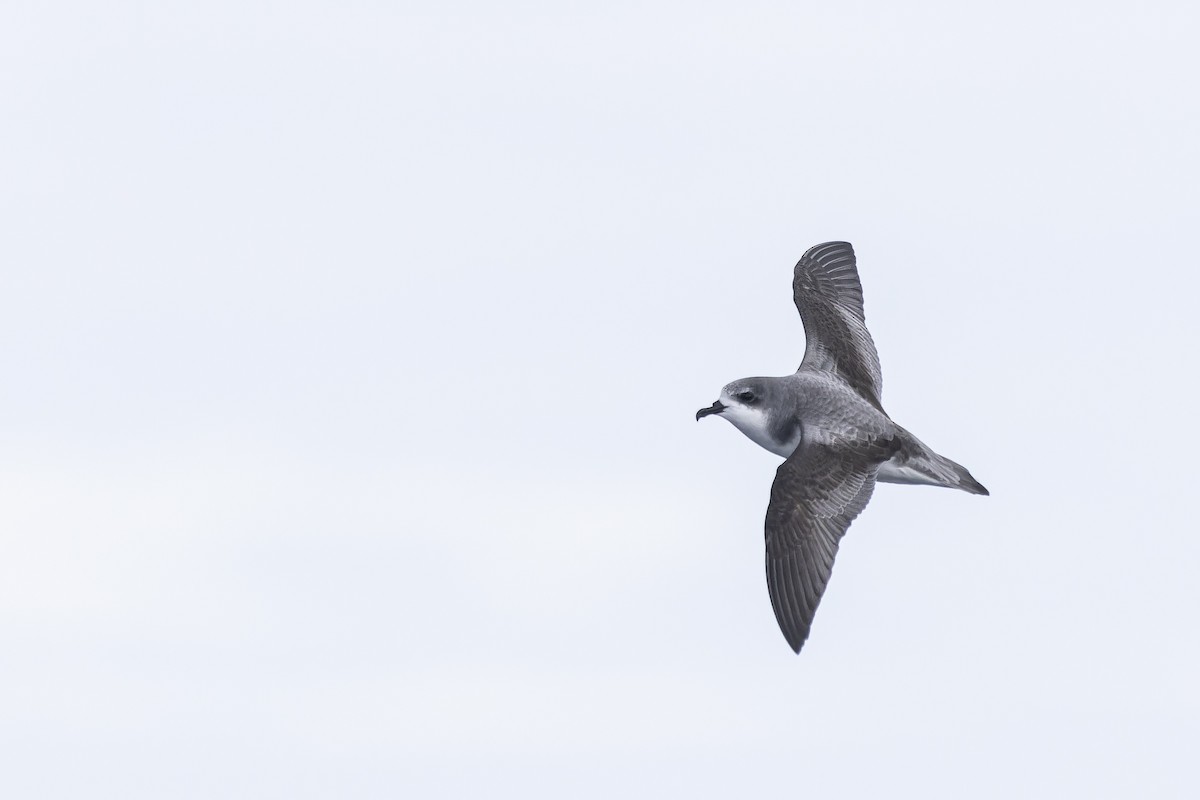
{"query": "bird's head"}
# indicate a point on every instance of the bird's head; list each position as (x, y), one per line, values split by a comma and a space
(745, 403)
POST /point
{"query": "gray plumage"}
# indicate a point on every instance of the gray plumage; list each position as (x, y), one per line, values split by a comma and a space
(828, 421)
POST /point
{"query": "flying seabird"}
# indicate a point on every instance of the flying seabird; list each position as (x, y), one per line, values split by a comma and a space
(828, 422)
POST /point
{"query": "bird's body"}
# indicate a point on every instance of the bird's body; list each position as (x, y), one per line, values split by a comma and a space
(818, 402)
(827, 420)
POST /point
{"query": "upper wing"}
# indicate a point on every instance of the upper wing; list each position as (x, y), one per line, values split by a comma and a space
(830, 299)
(817, 493)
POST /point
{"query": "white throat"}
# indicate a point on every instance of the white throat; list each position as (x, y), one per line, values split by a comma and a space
(753, 422)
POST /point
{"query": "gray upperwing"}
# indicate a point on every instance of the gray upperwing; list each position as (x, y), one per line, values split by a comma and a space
(829, 296)
(817, 493)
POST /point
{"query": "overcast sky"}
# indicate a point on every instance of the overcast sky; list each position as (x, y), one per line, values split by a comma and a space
(350, 354)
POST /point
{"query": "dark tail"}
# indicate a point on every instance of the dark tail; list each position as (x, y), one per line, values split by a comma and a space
(918, 463)
(955, 476)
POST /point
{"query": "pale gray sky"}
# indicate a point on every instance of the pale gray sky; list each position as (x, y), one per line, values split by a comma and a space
(351, 352)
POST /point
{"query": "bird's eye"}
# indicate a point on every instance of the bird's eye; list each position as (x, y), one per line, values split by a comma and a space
(746, 397)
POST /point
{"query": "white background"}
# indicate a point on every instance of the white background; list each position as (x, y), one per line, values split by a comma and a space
(349, 359)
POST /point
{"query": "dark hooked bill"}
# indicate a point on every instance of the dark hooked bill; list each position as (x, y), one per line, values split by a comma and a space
(715, 408)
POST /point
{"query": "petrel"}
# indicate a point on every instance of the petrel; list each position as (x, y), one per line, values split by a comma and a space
(828, 422)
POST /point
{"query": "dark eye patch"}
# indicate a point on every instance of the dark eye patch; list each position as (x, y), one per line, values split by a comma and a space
(745, 397)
